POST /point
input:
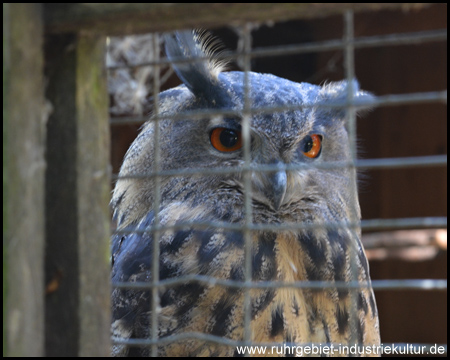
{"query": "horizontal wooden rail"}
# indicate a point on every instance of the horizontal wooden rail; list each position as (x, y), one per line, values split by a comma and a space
(135, 18)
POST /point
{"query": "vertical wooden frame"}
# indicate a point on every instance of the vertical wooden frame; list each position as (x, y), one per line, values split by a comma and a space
(24, 116)
(77, 195)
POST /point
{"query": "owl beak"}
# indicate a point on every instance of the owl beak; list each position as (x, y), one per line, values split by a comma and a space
(278, 184)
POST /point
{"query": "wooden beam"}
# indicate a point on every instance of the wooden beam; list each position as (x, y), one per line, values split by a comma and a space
(24, 116)
(410, 245)
(77, 264)
(134, 18)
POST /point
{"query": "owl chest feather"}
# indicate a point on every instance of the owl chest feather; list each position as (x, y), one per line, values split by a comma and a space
(282, 315)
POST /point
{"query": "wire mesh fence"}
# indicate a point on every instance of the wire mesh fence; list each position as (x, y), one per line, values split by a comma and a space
(56, 170)
(347, 45)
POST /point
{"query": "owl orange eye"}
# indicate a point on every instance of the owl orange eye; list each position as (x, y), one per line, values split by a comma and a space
(312, 146)
(226, 140)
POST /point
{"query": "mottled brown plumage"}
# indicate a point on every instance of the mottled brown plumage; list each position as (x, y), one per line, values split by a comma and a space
(309, 135)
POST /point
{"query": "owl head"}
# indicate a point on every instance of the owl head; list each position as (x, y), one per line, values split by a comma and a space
(303, 129)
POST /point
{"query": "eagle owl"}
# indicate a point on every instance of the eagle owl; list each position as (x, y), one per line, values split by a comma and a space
(305, 133)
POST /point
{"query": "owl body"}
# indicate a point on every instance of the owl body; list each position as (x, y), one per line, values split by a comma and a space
(306, 135)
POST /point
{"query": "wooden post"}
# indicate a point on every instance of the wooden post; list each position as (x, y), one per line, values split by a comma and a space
(24, 117)
(77, 269)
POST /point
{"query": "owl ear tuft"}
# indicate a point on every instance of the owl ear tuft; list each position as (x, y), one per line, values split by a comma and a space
(337, 92)
(200, 76)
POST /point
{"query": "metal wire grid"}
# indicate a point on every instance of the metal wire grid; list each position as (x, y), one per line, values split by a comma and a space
(348, 45)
